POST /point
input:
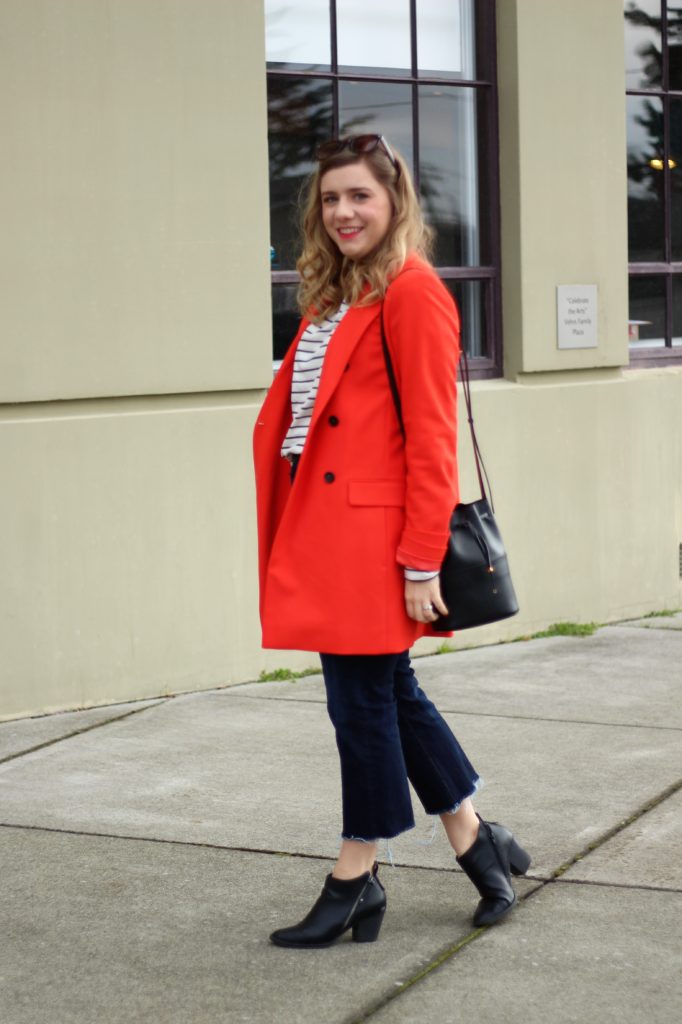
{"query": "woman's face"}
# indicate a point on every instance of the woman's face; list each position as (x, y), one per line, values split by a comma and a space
(356, 209)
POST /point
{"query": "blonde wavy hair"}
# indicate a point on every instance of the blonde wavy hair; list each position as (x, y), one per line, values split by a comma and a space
(328, 278)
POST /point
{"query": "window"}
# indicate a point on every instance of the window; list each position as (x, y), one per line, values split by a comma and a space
(653, 74)
(422, 73)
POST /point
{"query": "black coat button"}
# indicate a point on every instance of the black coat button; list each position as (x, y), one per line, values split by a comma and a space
(333, 421)
(329, 478)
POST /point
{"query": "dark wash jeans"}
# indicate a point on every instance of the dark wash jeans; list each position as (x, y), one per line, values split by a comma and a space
(388, 731)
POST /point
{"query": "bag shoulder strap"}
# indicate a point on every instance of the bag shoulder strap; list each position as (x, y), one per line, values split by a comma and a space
(481, 471)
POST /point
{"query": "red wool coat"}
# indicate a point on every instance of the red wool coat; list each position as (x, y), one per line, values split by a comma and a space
(364, 503)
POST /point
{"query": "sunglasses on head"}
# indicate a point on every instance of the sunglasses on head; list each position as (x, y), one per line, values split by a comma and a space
(359, 144)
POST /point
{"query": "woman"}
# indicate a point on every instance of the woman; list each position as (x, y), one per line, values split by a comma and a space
(353, 524)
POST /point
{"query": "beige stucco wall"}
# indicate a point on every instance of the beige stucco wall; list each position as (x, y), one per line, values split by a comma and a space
(128, 548)
(587, 479)
(134, 229)
(563, 180)
(133, 262)
(136, 248)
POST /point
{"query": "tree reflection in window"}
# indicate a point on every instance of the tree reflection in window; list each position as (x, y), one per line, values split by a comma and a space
(299, 117)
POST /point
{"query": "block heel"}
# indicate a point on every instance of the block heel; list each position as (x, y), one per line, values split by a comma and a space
(519, 860)
(367, 929)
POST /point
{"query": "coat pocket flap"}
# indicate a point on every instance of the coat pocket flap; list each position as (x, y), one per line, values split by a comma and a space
(376, 492)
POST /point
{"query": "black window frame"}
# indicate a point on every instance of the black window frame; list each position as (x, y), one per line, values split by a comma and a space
(666, 269)
(490, 365)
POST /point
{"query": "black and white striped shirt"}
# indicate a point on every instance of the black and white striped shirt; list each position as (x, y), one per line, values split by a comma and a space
(310, 353)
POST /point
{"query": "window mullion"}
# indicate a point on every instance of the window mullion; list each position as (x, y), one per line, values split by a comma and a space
(667, 218)
(665, 55)
(333, 37)
(415, 95)
(667, 198)
(335, 68)
(493, 157)
(667, 174)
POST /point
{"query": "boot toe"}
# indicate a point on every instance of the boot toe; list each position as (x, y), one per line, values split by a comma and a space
(281, 937)
(490, 911)
(299, 938)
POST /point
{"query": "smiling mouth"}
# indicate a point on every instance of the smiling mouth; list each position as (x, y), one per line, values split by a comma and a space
(348, 232)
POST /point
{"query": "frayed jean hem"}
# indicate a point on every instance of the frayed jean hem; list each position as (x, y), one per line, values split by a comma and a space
(377, 839)
(478, 784)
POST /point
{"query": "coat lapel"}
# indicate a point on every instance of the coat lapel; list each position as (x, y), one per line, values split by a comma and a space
(343, 342)
(275, 414)
(341, 347)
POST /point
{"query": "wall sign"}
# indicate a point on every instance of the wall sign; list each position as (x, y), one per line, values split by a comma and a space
(577, 315)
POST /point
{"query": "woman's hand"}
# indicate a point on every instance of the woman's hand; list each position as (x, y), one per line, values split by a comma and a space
(423, 600)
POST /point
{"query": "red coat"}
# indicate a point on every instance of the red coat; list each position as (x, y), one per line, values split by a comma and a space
(364, 504)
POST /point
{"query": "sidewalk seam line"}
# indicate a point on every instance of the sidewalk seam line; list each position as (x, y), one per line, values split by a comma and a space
(440, 958)
(540, 879)
(624, 823)
(615, 885)
(486, 714)
(157, 839)
(79, 732)
(454, 950)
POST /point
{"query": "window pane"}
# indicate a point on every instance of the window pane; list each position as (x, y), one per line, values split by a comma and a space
(452, 177)
(645, 178)
(675, 44)
(299, 117)
(373, 36)
(643, 44)
(445, 38)
(379, 107)
(285, 318)
(297, 33)
(469, 296)
(677, 311)
(647, 312)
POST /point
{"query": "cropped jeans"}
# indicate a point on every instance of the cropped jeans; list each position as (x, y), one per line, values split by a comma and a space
(388, 731)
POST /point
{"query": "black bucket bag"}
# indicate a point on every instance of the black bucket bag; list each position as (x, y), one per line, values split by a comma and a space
(474, 577)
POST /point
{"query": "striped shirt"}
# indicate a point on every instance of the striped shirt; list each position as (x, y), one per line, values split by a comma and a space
(310, 353)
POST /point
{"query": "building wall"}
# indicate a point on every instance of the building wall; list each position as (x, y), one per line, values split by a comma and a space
(136, 344)
(586, 453)
(135, 324)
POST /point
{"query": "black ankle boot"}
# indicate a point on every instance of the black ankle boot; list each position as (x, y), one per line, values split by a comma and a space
(489, 864)
(357, 903)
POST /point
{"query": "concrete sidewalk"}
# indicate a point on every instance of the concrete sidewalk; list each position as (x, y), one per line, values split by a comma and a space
(148, 849)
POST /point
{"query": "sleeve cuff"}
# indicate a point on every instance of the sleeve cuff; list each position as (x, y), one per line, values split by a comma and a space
(419, 575)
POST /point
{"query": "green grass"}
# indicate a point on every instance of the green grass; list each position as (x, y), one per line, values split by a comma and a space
(556, 629)
(445, 648)
(562, 629)
(665, 613)
(279, 675)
